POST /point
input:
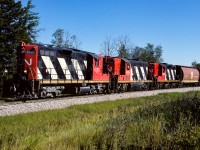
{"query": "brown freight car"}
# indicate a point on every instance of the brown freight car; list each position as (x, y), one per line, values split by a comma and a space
(187, 75)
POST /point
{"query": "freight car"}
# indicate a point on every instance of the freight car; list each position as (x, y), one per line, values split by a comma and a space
(188, 76)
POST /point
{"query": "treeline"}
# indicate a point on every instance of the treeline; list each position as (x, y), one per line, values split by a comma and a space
(124, 47)
(121, 47)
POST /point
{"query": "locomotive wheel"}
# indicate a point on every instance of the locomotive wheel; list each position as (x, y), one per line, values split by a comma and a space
(43, 94)
(30, 96)
(53, 94)
(146, 87)
(93, 91)
(109, 91)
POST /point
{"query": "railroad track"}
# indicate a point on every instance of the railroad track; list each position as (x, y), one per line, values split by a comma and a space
(13, 108)
(37, 100)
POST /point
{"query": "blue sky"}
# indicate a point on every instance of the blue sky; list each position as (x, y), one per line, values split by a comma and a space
(173, 24)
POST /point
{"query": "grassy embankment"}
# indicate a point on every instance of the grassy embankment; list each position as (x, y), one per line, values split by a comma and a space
(165, 121)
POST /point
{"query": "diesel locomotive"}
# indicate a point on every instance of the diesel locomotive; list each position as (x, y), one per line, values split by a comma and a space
(44, 70)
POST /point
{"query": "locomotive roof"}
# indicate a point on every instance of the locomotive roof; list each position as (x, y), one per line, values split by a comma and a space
(51, 47)
(138, 61)
(167, 65)
(72, 50)
(124, 59)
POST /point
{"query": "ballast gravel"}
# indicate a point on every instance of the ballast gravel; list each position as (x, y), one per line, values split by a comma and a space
(58, 103)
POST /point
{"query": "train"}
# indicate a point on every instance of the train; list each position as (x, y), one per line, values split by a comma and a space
(49, 71)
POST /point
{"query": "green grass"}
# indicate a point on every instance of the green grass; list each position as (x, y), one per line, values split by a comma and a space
(164, 121)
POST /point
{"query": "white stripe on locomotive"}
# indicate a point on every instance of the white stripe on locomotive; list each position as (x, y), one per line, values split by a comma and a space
(65, 68)
(39, 75)
(85, 63)
(78, 69)
(146, 70)
(172, 73)
(169, 75)
(137, 72)
(143, 73)
(131, 74)
(50, 67)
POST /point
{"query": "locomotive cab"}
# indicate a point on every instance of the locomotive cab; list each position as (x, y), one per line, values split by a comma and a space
(119, 70)
(27, 62)
(156, 72)
(96, 70)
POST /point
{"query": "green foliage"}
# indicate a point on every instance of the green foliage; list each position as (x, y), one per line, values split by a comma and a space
(195, 64)
(64, 39)
(173, 124)
(123, 47)
(17, 24)
(119, 47)
(165, 121)
(30, 22)
(150, 53)
(58, 37)
(123, 52)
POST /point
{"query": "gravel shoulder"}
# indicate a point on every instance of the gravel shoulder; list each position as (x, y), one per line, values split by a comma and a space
(58, 103)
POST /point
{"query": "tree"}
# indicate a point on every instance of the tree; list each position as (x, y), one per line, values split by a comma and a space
(195, 64)
(31, 22)
(75, 42)
(108, 47)
(65, 39)
(116, 47)
(158, 54)
(17, 24)
(149, 53)
(137, 52)
(123, 46)
(58, 38)
(122, 51)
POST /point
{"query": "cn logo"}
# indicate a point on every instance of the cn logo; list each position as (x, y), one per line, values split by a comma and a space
(28, 63)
